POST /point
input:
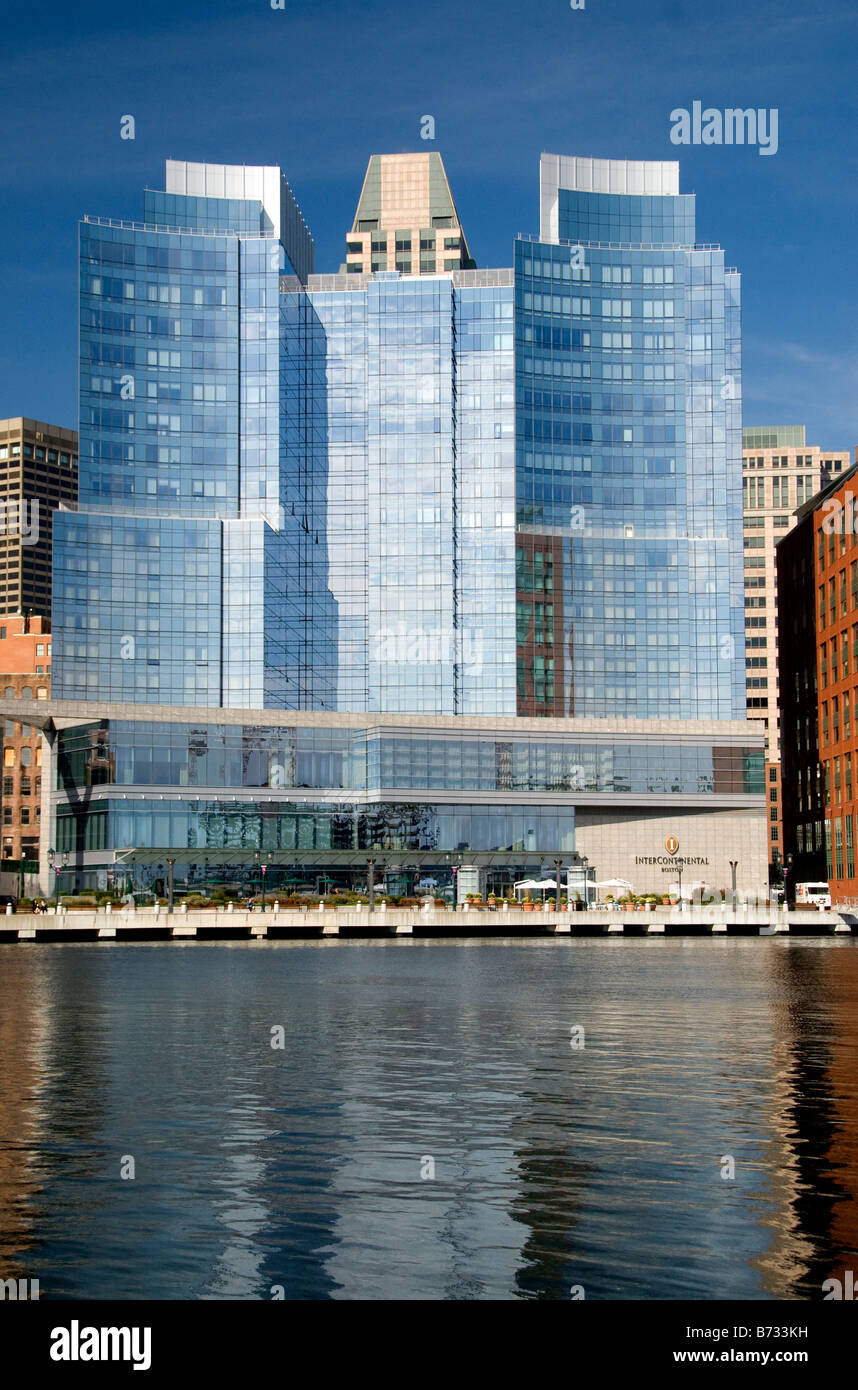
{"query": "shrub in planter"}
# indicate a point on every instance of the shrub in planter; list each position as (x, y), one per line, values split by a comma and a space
(25, 904)
(440, 902)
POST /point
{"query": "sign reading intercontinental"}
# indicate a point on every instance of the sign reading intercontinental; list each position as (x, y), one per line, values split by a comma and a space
(670, 861)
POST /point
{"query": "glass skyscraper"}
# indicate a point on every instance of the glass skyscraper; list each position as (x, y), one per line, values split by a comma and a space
(441, 522)
(628, 436)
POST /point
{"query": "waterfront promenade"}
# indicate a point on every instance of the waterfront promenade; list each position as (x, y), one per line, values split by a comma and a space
(148, 924)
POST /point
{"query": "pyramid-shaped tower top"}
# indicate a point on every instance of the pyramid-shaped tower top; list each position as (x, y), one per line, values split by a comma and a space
(406, 219)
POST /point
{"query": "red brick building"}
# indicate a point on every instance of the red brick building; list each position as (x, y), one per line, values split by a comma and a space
(25, 666)
(817, 566)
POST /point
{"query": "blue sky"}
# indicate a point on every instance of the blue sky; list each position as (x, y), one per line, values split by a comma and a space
(320, 85)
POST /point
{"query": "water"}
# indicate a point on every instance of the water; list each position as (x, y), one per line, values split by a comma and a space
(310, 1167)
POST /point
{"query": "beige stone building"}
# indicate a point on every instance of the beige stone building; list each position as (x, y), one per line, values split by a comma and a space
(406, 219)
(38, 473)
(780, 471)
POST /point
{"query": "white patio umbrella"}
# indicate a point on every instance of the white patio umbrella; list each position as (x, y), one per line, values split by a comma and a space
(613, 883)
(541, 884)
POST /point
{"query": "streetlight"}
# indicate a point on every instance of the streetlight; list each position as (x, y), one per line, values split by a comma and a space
(170, 863)
(50, 859)
(787, 867)
(257, 855)
(558, 865)
(734, 864)
(584, 862)
(679, 871)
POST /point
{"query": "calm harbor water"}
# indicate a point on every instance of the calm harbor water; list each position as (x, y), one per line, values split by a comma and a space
(311, 1166)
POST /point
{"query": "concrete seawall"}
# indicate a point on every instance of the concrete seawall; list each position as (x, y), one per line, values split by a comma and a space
(349, 922)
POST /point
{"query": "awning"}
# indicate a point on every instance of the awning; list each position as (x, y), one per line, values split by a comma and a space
(334, 858)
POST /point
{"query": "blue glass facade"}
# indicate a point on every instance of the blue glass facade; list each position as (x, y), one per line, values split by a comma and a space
(386, 790)
(628, 392)
(420, 479)
(194, 570)
(505, 494)
(451, 494)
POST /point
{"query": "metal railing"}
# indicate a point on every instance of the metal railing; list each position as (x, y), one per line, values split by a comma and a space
(181, 231)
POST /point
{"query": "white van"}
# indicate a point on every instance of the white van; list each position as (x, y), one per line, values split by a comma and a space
(815, 894)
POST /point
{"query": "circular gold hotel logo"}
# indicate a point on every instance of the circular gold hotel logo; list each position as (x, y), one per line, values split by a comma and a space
(671, 844)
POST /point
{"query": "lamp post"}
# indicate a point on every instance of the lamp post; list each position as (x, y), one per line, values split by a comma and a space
(584, 864)
(558, 865)
(50, 859)
(679, 871)
(370, 882)
(788, 862)
(264, 870)
(170, 864)
(734, 864)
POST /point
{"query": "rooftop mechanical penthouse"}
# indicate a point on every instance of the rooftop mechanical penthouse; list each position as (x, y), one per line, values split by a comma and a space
(483, 497)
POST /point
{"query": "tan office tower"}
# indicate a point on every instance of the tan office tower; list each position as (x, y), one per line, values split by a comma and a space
(780, 472)
(406, 219)
(38, 473)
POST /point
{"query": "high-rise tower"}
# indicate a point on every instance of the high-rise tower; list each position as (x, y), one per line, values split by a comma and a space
(406, 219)
(628, 440)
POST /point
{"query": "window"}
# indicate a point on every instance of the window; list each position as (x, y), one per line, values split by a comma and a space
(452, 243)
(25, 815)
(26, 756)
(9, 730)
(40, 649)
(354, 248)
(8, 784)
(403, 241)
(2, 632)
(7, 815)
(8, 757)
(27, 693)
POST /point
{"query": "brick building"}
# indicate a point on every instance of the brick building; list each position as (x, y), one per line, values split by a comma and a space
(25, 666)
(817, 572)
